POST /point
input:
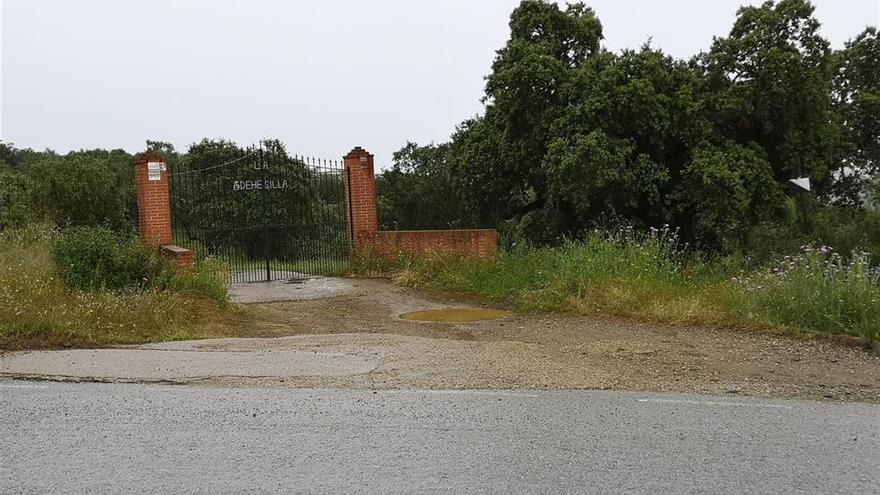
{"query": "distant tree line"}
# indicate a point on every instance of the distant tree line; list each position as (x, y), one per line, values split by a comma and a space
(302, 213)
(574, 136)
(94, 187)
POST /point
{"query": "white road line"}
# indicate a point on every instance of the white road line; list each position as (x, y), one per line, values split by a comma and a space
(493, 393)
(713, 403)
(23, 386)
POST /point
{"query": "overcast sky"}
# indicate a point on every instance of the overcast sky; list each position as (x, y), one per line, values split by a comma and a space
(322, 76)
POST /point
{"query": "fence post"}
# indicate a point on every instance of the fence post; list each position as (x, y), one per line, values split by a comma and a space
(360, 199)
(154, 205)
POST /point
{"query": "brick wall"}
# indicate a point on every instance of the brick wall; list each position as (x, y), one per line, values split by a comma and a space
(360, 197)
(181, 257)
(362, 214)
(478, 243)
(154, 210)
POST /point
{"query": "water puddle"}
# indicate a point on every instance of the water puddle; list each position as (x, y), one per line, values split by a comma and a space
(455, 315)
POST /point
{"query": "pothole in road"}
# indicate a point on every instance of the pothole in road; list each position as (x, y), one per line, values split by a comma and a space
(455, 315)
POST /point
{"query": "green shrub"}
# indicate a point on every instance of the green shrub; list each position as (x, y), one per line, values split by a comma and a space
(97, 258)
(770, 241)
(847, 230)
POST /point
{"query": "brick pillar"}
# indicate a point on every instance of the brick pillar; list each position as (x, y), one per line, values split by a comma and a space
(360, 199)
(154, 205)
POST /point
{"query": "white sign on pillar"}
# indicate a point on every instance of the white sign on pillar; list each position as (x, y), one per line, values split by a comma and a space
(154, 170)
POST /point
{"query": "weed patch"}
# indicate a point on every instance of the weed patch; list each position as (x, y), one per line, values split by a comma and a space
(37, 309)
(817, 290)
(648, 277)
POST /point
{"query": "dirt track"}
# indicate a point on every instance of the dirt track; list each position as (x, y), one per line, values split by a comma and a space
(353, 337)
(553, 351)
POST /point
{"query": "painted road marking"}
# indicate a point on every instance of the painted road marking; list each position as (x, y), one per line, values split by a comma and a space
(461, 392)
(714, 403)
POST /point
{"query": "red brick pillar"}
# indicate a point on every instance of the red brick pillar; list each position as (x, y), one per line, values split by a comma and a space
(154, 205)
(360, 199)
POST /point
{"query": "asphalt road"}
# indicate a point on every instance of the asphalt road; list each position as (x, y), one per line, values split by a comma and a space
(117, 438)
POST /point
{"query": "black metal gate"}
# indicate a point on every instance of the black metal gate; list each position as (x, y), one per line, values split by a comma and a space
(262, 213)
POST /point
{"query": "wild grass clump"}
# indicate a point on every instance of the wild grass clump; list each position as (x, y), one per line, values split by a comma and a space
(818, 290)
(622, 273)
(650, 276)
(209, 280)
(37, 308)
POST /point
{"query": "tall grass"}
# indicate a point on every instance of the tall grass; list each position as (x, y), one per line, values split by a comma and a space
(818, 290)
(38, 310)
(648, 276)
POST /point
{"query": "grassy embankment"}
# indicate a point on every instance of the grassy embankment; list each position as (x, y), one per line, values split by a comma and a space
(38, 310)
(647, 278)
(643, 277)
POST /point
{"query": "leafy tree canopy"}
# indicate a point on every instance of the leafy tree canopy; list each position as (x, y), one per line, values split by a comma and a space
(573, 134)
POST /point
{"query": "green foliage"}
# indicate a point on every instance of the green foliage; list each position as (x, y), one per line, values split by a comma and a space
(856, 95)
(97, 258)
(573, 134)
(37, 309)
(85, 188)
(81, 188)
(420, 193)
(524, 98)
(845, 229)
(728, 190)
(769, 83)
(595, 174)
(34, 234)
(16, 192)
(603, 272)
(621, 274)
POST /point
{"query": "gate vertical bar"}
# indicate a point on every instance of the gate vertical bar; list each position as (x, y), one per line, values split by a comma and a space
(266, 226)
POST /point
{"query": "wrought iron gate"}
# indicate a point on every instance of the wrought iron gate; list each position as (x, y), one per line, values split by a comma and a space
(264, 214)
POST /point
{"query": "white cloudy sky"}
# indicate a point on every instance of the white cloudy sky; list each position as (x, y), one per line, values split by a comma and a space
(322, 76)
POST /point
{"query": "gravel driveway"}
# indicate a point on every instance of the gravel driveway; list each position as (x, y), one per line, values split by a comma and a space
(348, 334)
